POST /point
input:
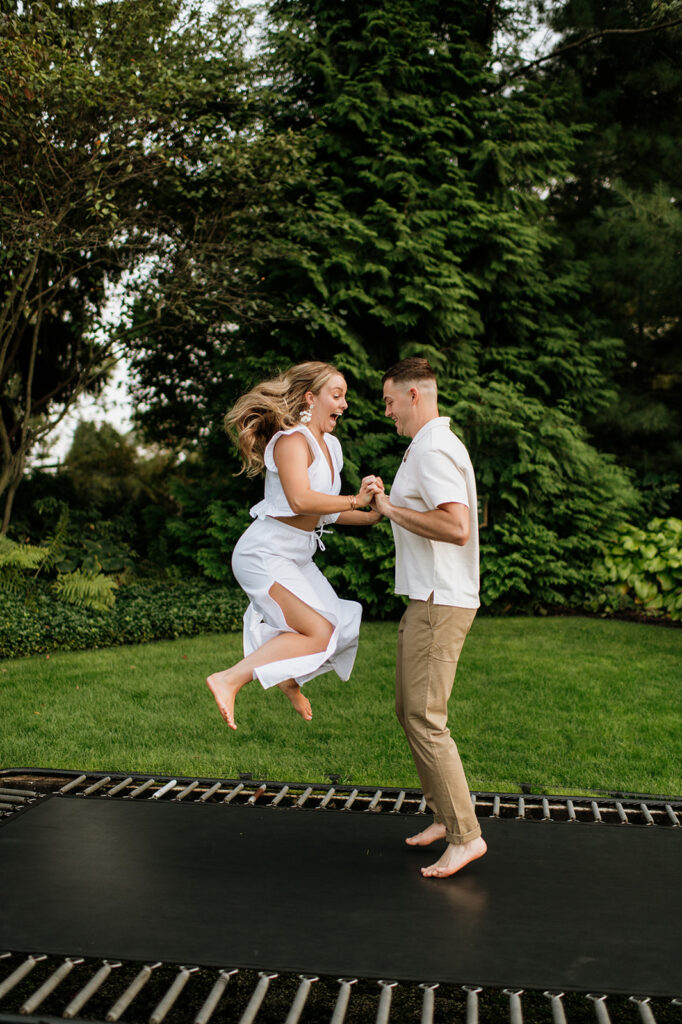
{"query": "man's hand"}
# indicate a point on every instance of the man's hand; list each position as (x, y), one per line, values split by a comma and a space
(378, 494)
(381, 502)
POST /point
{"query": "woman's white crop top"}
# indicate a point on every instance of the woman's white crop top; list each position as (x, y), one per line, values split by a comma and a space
(321, 479)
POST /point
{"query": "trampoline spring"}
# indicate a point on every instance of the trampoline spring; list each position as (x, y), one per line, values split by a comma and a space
(546, 812)
(233, 793)
(72, 785)
(472, 1003)
(164, 789)
(96, 982)
(140, 789)
(257, 998)
(326, 798)
(171, 996)
(187, 790)
(596, 813)
(209, 792)
(600, 1010)
(9, 800)
(19, 973)
(571, 810)
(304, 796)
(136, 986)
(49, 985)
(673, 817)
(258, 794)
(521, 808)
(350, 801)
(399, 802)
(496, 808)
(300, 998)
(375, 800)
(280, 796)
(558, 1015)
(422, 806)
(621, 813)
(342, 1000)
(28, 794)
(384, 1010)
(647, 814)
(9, 807)
(214, 996)
(515, 1011)
(645, 1011)
(95, 786)
(119, 786)
(428, 1002)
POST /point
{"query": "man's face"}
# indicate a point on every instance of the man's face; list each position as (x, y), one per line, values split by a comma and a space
(400, 406)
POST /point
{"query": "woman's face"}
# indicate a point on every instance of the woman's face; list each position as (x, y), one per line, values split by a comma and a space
(329, 404)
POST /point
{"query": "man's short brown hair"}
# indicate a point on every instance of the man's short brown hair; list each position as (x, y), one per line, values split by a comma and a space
(415, 368)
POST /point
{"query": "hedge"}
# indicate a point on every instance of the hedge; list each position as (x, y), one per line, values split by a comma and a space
(37, 623)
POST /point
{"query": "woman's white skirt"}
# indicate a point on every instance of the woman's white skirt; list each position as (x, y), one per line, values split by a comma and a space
(274, 552)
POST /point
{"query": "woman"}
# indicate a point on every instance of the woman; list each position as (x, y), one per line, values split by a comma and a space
(295, 627)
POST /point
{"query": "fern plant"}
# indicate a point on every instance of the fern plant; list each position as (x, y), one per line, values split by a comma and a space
(20, 564)
(86, 589)
(15, 561)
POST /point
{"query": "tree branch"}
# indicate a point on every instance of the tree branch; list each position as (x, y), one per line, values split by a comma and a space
(589, 38)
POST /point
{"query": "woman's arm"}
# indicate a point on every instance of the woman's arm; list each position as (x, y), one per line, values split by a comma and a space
(291, 455)
(359, 518)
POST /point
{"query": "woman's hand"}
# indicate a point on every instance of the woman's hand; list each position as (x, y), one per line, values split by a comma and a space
(368, 489)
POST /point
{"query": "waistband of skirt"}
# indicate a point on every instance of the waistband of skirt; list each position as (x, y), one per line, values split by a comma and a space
(276, 524)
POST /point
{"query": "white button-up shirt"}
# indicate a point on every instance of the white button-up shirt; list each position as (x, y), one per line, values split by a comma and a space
(436, 469)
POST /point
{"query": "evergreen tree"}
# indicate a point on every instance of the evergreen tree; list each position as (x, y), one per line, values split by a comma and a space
(415, 222)
(620, 212)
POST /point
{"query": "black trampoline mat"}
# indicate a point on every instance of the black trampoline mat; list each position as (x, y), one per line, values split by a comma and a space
(551, 906)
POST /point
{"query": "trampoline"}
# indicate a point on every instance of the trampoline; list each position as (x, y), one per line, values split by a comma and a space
(574, 896)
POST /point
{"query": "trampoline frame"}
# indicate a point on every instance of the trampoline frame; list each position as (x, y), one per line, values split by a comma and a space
(620, 810)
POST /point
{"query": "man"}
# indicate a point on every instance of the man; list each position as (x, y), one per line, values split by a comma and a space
(433, 513)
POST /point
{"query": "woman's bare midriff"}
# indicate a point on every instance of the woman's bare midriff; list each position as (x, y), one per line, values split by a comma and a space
(305, 523)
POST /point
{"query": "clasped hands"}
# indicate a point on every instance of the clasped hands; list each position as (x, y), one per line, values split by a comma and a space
(373, 493)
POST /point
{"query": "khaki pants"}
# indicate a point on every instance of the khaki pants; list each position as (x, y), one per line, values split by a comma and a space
(430, 638)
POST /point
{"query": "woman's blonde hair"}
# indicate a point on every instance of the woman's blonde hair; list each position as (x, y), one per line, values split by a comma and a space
(271, 406)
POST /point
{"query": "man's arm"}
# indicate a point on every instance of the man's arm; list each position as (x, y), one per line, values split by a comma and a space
(449, 522)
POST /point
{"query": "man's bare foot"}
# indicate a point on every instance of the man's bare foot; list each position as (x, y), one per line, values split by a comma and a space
(455, 858)
(224, 690)
(428, 836)
(300, 703)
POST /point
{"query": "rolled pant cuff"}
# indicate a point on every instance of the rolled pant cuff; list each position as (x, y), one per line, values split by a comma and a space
(459, 840)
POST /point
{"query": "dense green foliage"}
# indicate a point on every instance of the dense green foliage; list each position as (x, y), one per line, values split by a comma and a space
(382, 179)
(619, 213)
(415, 223)
(641, 570)
(39, 623)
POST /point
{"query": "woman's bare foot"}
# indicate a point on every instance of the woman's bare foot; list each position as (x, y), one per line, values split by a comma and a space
(428, 836)
(224, 689)
(300, 703)
(455, 858)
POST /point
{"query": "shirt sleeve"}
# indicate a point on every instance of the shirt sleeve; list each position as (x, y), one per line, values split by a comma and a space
(440, 479)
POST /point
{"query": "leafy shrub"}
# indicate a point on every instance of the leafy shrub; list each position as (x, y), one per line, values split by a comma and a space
(37, 623)
(641, 570)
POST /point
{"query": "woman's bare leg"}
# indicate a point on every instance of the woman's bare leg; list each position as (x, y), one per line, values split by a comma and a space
(300, 703)
(311, 635)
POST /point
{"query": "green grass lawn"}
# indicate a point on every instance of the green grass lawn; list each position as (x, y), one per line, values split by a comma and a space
(564, 704)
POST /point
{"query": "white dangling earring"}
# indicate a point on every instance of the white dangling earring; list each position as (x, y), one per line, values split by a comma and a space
(306, 413)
